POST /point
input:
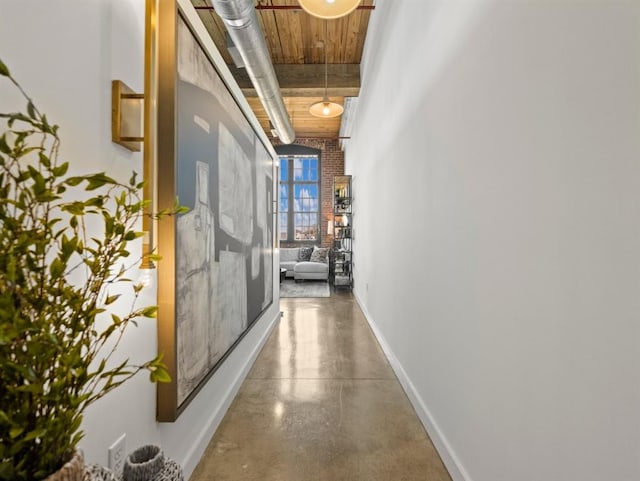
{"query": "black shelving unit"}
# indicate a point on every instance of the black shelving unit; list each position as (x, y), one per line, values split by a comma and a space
(342, 270)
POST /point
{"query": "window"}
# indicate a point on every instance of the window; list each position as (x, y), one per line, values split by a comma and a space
(299, 198)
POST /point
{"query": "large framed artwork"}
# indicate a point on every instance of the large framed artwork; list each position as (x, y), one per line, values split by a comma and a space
(215, 278)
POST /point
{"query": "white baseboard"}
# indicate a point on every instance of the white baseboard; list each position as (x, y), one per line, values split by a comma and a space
(211, 425)
(449, 458)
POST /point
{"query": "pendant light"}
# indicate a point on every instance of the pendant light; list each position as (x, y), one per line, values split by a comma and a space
(329, 9)
(325, 108)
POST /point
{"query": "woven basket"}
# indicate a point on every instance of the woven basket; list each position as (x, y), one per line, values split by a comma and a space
(73, 470)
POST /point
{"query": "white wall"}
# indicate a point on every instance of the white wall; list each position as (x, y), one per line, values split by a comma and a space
(65, 53)
(496, 163)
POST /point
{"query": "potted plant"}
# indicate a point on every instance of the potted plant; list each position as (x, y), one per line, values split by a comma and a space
(60, 292)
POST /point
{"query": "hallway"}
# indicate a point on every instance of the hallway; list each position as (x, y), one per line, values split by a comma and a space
(321, 403)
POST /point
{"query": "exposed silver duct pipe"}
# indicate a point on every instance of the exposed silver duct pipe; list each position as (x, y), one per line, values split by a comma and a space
(241, 21)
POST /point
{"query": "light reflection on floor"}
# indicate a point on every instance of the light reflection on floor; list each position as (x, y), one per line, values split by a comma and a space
(321, 404)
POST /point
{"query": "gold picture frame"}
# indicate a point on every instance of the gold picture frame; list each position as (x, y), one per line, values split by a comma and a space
(209, 153)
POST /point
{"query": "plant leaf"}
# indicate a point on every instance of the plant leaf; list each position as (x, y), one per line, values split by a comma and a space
(159, 375)
(31, 110)
(4, 71)
(150, 311)
(111, 299)
(4, 147)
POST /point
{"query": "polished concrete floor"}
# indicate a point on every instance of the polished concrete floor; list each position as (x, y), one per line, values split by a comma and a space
(321, 403)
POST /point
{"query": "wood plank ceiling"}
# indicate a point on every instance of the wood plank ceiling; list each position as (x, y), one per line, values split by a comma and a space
(295, 41)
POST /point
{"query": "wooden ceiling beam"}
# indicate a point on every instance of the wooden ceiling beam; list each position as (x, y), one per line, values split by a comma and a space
(307, 80)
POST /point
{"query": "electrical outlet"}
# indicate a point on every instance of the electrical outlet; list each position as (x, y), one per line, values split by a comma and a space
(117, 453)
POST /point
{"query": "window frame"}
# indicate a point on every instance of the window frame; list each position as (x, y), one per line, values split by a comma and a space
(290, 154)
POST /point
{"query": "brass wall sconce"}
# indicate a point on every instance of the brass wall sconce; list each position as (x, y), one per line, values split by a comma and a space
(127, 116)
(128, 130)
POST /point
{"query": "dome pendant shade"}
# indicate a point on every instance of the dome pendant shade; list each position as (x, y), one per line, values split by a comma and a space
(326, 109)
(329, 9)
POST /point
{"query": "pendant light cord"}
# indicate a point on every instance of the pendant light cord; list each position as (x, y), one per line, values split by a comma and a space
(326, 97)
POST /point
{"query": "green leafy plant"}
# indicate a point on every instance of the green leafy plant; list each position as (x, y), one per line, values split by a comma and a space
(59, 289)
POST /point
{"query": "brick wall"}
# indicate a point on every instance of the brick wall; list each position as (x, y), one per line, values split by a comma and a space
(331, 163)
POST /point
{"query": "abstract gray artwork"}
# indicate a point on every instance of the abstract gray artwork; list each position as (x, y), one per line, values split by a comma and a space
(195, 285)
(224, 244)
(234, 184)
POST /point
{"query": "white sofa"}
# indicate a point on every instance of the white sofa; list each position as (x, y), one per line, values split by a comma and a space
(302, 270)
